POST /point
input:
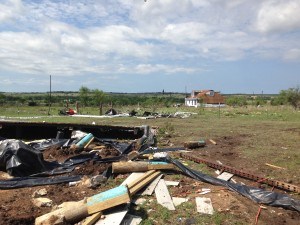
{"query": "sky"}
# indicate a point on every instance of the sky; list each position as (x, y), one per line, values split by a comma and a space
(231, 46)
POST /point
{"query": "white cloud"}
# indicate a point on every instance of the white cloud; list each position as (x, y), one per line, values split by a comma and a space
(279, 15)
(9, 10)
(149, 68)
(292, 55)
(111, 38)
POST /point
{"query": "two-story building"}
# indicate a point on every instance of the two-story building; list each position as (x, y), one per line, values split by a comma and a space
(208, 98)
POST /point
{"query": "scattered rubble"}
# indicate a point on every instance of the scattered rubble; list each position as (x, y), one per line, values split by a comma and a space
(85, 162)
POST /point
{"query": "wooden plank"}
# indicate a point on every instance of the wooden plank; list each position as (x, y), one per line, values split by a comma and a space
(132, 177)
(131, 220)
(225, 176)
(142, 183)
(137, 180)
(273, 166)
(113, 218)
(107, 199)
(92, 219)
(204, 205)
(149, 190)
(127, 167)
(163, 196)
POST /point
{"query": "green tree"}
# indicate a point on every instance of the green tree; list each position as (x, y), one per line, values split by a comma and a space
(84, 95)
(99, 98)
(236, 101)
(292, 96)
(2, 99)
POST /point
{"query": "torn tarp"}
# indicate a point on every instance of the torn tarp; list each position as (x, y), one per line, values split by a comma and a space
(19, 159)
(42, 145)
(20, 182)
(256, 194)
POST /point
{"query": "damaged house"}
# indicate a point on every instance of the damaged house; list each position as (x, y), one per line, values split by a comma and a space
(209, 98)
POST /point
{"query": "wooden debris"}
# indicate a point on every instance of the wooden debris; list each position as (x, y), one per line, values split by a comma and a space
(163, 196)
(273, 166)
(194, 144)
(212, 141)
(150, 189)
(89, 142)
(132, 177)
(137, 185)
(94, 204)
(92, 219)
(127, 167)
(204, 205)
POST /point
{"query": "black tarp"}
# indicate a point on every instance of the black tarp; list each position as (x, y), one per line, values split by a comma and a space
(20, 182)
(41, 146)
(256, 194)
(19, 159)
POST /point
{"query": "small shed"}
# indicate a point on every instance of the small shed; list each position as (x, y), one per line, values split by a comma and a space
(209, 98)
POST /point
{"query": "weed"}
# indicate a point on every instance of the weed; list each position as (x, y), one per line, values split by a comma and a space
(166, 131)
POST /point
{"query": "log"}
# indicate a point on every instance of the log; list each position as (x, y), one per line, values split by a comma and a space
(127, 167)
(194, 144)
(78, 211)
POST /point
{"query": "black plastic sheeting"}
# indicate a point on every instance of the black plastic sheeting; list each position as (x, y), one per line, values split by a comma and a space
(21, 182)
(30, 169)
(155, 150)
(123, 148)
(19, 159)
(256, 194)
(41, 146)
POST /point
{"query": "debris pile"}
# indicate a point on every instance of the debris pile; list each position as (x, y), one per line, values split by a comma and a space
(88, 162)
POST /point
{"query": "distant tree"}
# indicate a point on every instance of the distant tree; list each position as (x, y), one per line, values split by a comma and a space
(2, 99)
(84, 95)
(236, 101)
(260, 101)
(292, 96)
(99, 97)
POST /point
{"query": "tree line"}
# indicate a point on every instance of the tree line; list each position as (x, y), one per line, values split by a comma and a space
(87, 97)
(290, 96)
(96, 98)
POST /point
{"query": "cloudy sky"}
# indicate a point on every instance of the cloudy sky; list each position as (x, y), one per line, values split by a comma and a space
(232, 46)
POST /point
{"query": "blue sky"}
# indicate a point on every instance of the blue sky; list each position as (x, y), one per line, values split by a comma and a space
(232, 46)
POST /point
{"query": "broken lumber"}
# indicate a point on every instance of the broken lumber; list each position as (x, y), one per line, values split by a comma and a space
(94, 204)
(277, 167)
(142, 181)
(212, 141)
(248, 175)
(127, 167)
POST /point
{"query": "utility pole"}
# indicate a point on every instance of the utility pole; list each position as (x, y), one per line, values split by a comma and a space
(49, 97)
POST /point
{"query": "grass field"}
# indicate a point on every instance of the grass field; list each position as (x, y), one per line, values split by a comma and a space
(255, 136)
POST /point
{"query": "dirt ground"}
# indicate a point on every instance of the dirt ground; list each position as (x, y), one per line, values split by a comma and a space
(16, 205)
